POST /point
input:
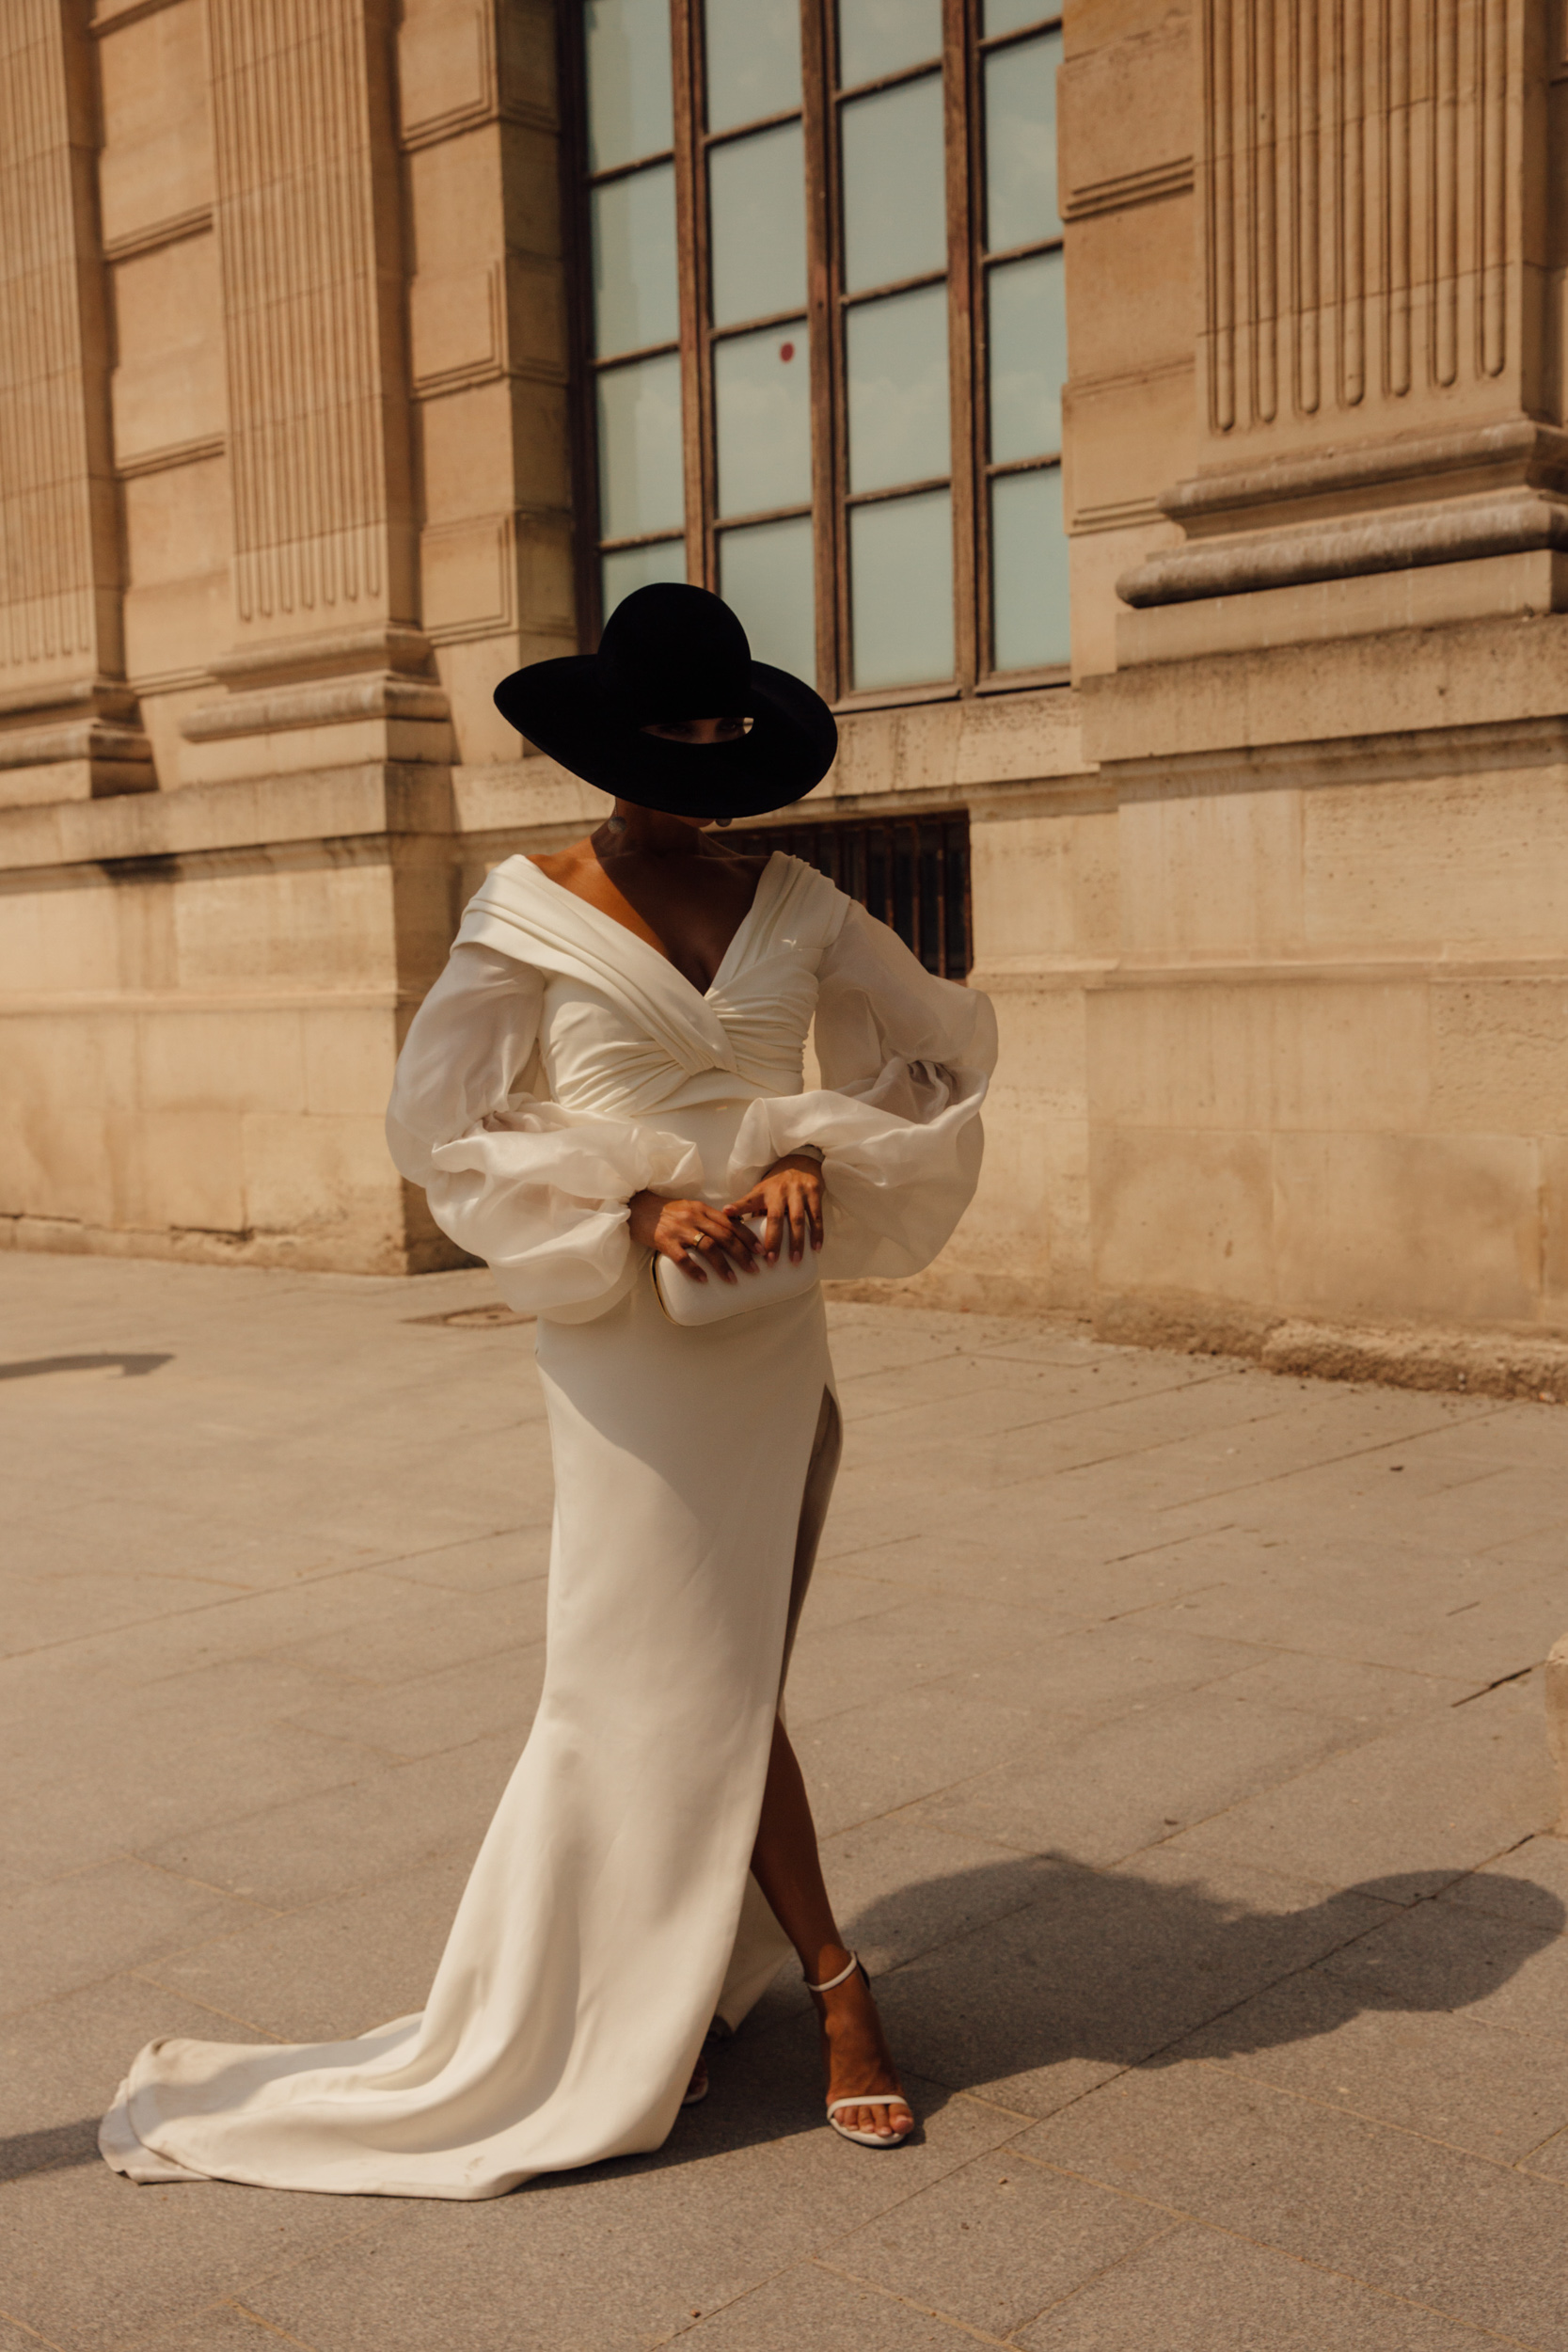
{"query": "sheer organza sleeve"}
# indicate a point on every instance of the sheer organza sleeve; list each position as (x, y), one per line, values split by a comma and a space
(536, 1191)
(905, 1061)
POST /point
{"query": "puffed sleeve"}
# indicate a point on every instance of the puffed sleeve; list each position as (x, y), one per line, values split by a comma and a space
(905, 1061)
(536, 1191)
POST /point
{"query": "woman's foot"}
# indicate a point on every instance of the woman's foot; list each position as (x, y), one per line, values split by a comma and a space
(697, 2088)
(855, 2054)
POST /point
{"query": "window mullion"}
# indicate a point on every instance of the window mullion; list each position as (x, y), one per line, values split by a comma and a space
(960, 113)
(691, 268)
(823, 329)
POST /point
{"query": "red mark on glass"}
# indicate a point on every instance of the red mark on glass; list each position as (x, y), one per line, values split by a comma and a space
(787, 351)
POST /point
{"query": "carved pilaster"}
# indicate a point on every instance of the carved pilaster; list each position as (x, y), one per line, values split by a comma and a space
(307, 215)
(1361, 180)
(60, 649)
(1373, 369)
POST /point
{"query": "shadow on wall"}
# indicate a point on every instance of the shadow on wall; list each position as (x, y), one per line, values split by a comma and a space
(130, 1367)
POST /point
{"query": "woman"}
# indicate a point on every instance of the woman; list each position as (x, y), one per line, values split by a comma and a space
(602, 1097)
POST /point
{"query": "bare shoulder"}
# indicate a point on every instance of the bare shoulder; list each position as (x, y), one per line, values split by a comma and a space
(565, 866)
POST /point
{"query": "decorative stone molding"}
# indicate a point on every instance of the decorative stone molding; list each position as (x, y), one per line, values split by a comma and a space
(307, 212)
(59, 560)
(331, 702)
(1149, 186)
(1361, 193)
(1367, 509)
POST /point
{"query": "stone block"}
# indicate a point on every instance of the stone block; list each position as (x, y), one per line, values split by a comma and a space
(457, 323)
(1420, 861)
(178, 1169)
(295, 926)
(167, 384)
(157, 160)
(1211, 872)
(198, 1061)
(1147, 252)
(1126, 106)
(325, 1183)
(1045, 888)
(1182, 1211)
(507, 435)
(1501, 1054)
(348, 1060)
(446, 65)
(1369, 1225)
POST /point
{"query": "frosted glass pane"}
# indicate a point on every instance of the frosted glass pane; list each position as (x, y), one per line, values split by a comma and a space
(627, 43)
(762, 399)
(1027, 356)
(1006, 16)
(641, 486)
(877, 36)
(636, 301)
(757, 218)
(765, 574)
(901, 590)
(1028, 571)
(897, 371)
(895, 211)
(635, 568)
(1020, 143)
(753, 59)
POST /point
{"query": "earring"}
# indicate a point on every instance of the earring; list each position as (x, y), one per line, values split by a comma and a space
(615, 824)
(723, 820)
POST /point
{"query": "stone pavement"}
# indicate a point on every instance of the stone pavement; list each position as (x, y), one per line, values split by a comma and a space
(1178, 1745)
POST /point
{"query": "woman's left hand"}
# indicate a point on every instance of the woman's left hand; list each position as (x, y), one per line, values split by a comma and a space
(790, 1198)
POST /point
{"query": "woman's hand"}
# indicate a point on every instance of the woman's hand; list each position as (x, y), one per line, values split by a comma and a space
(790, 1196)
(692, 1235)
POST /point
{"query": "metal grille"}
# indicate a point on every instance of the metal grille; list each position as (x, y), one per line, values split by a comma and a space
(911, 871)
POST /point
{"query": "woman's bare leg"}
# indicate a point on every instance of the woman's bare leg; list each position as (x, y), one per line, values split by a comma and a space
(789, 1868)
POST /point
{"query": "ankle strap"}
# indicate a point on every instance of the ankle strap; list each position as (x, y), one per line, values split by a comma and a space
(842, 1974)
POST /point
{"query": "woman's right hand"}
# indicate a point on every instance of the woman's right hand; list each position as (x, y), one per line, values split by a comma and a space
(693, 1236)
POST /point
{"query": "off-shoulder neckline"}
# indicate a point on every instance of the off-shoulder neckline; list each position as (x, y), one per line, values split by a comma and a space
(667, 961)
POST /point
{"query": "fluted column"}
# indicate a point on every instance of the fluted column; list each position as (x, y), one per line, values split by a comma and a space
(308, 215)
(63, 703)
(1372, 191)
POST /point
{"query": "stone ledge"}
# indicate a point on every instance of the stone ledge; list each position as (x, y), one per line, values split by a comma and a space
(317, 804)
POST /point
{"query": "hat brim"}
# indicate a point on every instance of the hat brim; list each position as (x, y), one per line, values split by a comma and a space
(563, 707)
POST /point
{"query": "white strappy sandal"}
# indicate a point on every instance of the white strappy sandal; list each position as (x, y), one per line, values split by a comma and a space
(862, 2098)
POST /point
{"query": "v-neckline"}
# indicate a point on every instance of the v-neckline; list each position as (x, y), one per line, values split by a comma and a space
(625, 930)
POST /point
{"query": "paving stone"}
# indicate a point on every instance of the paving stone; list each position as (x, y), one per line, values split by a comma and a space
(1420, 1806)
(98, 1921)
(1111, 1790)
(353, 1834)
(1436, 1956)
(338, 1970)
(1325, 2035)
(1102, 1969)
(1069, 1594)
(1531, 1884)
(1473, 2241)
(994, 2244)
(1196, 2291)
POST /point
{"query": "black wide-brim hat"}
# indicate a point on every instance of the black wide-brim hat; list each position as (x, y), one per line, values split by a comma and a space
(671, 652)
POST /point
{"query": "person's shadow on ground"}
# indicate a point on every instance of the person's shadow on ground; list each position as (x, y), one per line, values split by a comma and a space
(1043, 1963)
(1027, 1965)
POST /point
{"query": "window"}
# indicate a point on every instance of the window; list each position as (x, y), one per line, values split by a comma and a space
(824, 330)
(911, 871)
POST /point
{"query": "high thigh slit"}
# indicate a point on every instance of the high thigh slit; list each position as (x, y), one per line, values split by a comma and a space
(612, 1915)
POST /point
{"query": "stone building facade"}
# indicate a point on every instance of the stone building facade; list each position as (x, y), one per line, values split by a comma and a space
(297, 456)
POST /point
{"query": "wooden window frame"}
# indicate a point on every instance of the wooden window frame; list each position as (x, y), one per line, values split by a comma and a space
(826, 308)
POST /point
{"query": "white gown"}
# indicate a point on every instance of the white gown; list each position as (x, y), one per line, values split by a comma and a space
(560, 1065)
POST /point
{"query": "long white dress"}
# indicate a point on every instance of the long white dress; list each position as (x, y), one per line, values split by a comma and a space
(560, 1065)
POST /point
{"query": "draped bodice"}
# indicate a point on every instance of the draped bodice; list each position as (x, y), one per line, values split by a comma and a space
(623, 1034)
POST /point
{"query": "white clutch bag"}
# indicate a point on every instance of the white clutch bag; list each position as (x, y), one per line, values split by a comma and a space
(690, 1303)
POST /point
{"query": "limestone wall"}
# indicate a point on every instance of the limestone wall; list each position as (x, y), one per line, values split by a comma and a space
(1271, 900)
